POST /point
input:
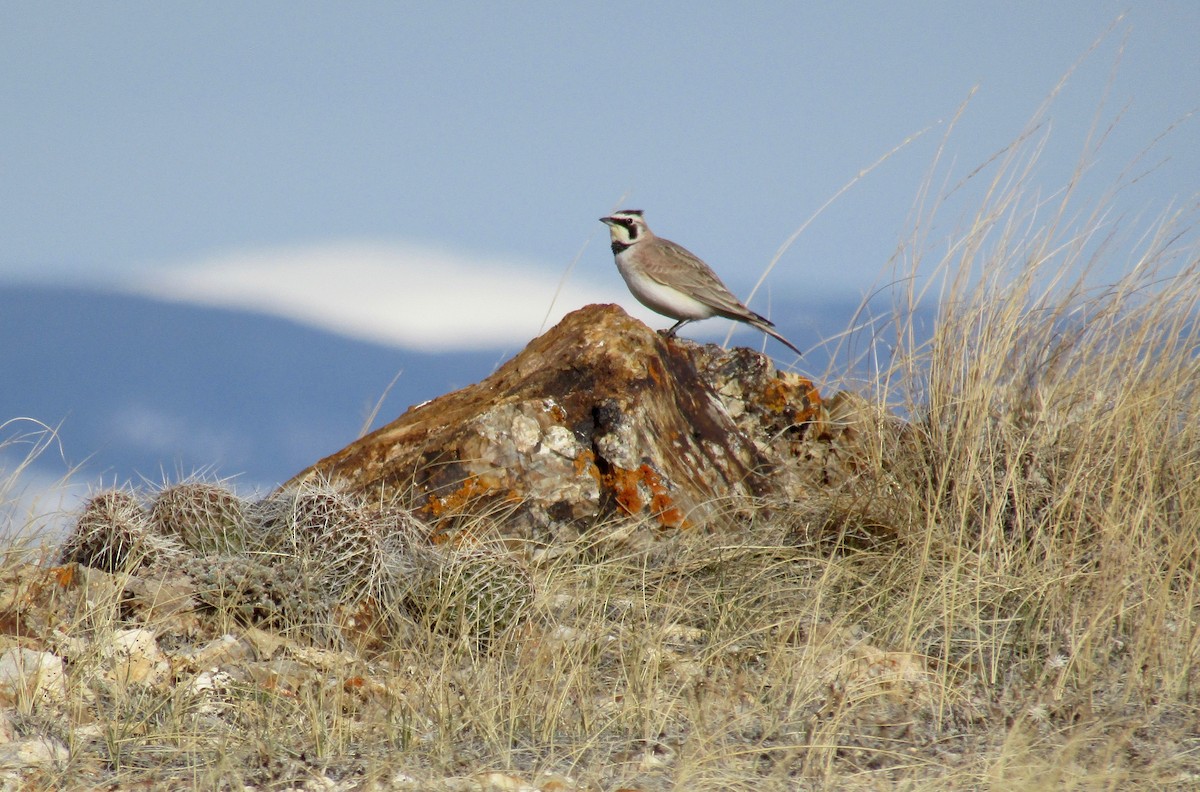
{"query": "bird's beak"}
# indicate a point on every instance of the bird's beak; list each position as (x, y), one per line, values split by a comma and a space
(608, 221)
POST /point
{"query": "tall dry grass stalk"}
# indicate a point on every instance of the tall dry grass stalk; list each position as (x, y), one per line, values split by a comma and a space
(28, 513)
(1053, 457)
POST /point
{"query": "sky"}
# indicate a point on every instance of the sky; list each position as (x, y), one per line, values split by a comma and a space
(431, 175)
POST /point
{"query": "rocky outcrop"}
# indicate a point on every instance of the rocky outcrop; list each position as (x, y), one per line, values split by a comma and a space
(600, 416)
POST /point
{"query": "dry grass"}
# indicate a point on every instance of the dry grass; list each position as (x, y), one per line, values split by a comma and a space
(1029, 620)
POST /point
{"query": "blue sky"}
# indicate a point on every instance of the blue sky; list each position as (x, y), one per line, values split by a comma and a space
(168, 147)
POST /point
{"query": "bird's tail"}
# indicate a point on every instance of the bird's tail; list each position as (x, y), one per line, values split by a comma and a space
(769, 328)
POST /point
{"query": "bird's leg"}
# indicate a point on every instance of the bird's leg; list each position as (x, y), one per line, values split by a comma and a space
(671, 332)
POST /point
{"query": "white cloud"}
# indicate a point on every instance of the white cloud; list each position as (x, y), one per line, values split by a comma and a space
(157, 431)
(399, 294)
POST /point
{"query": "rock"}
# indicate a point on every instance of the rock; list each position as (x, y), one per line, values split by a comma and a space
(163, 601)
(874, 698)
(599, 416)
(132, 657)
(264, 642)
(209, 692)
(226, 649)
(37, 752)
(29, 598)
(503, 782)
(28, 677)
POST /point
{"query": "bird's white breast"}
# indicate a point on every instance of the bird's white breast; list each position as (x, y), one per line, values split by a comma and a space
(658, 296)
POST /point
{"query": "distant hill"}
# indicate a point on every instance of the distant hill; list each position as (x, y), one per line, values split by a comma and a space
(145, 389)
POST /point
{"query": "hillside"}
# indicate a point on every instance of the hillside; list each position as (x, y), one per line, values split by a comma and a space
(141, 387)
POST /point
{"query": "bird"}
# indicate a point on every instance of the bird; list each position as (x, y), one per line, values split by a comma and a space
(671, 280)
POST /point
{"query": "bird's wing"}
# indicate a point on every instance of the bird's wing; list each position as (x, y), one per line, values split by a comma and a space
(684, 271)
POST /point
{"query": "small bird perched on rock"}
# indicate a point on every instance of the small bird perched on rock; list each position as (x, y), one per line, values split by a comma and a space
(669, 279)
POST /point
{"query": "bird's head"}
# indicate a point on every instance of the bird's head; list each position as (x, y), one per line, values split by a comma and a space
(626, 227)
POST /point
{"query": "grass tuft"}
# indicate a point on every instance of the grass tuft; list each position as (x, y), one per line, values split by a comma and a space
(998, 588)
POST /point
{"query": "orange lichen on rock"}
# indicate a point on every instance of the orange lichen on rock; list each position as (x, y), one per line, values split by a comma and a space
(585, 462)
(458, 502)
(364, 623)
(634, 490)
(471, 489)
(624, 486)
(65, 575)
(656, 372)
(794, 394)
(662, 505)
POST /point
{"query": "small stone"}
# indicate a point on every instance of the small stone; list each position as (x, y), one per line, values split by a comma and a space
(560, 440)
(556, 782)
(29, 677)
(524, 433)
(503, 782)
(217, 652)
(36, 752)
(133, 657)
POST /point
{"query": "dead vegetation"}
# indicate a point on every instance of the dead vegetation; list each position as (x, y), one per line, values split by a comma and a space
(1003, 595)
